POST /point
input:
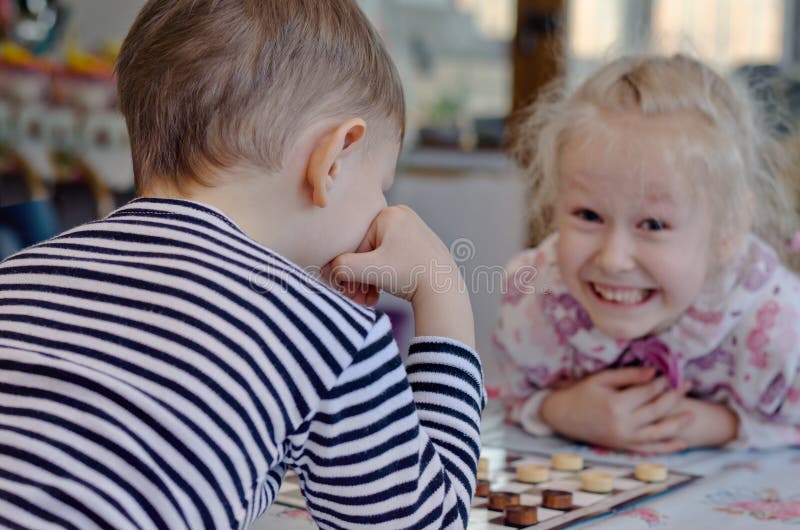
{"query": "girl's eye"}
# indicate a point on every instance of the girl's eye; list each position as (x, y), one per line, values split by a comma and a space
(654, 225)
(587, 215)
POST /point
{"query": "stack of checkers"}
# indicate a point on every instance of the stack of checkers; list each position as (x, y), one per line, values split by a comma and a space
(516, 514)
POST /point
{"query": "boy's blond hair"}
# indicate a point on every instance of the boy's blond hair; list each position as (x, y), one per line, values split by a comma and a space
(746, 182)
(207, 84)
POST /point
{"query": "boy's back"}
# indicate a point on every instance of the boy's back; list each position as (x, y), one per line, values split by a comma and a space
(159, 369)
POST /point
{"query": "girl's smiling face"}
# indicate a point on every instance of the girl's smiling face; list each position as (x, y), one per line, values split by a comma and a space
(635, 236)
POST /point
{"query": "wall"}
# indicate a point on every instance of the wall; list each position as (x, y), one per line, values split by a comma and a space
(479, 213)
(94, 21)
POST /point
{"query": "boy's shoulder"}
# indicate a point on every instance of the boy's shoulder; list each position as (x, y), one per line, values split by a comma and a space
(267, 276)
(196, 256)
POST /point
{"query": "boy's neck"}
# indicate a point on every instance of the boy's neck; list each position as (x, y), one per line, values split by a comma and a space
(255, 202)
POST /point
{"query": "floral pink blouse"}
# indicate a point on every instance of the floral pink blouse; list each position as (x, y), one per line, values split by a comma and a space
(738, 343)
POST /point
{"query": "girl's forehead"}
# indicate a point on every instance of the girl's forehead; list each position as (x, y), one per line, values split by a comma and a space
(631, 133)
(660, 159)
(653, 188)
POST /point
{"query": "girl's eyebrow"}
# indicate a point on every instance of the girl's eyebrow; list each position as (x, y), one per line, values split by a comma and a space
(664, 198)
(578, 182)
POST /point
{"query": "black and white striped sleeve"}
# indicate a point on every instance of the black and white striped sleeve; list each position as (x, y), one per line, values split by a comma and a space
(394, 446)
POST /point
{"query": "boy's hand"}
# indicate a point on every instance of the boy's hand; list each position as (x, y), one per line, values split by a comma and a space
(402, 256)
(395, 256)
(621, 408)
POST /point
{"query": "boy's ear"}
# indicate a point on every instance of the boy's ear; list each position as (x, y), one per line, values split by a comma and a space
(324, 162)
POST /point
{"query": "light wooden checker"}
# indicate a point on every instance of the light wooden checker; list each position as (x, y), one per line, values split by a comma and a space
(502, 474)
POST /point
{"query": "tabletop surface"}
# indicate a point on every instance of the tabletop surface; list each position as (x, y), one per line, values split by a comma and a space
(739, 490)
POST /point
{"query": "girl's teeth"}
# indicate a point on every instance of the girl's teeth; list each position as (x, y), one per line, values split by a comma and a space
(623, 296)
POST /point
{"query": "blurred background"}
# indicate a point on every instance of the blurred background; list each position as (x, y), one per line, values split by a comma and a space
(466, 66)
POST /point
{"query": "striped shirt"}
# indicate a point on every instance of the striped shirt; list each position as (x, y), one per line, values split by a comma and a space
(159, 369)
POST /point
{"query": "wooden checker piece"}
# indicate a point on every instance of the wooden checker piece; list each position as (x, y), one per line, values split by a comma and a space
(557, 499)
(532, 474)
(482, 488)
(649, 472)
(597, 482)
(567, 462)
(520, 516)
(500, 500)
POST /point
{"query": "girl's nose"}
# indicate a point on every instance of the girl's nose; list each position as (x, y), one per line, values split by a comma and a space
(616, 253)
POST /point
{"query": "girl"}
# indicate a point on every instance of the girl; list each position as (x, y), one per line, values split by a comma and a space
(658, 315)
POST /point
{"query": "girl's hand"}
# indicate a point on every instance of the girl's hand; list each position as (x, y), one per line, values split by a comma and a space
(621, 408)
(402, 256)
(714, 424)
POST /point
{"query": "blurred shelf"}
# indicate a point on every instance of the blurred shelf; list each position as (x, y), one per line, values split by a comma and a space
(452, 161)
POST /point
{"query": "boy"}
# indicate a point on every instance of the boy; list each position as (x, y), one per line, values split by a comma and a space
(161, 368)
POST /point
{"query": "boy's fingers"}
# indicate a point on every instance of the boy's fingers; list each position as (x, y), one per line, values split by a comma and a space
(623, 377)
(360, 293)
(370, 241)
(350, 267)
(355, 268)
(372, 296)
(664, 429)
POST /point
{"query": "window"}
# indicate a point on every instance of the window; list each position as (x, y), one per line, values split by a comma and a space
(752, 38)
(454, 59)
(724, 31)
(727, 33)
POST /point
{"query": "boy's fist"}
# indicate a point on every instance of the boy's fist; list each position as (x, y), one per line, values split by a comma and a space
(399, 254)
(402, 256)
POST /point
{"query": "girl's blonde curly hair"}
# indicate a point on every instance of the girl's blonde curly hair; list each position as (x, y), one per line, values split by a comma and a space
(748, 185)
